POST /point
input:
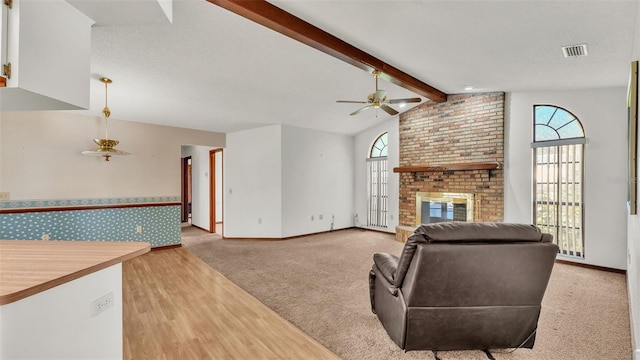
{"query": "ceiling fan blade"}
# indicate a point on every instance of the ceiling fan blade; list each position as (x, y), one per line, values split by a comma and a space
(352, 102)
(388, 109)
(400, 101)
(361, 110)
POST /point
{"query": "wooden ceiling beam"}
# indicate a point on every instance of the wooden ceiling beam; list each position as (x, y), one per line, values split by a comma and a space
(271, 16)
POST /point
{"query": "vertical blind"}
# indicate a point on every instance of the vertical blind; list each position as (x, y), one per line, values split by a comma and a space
(558, 195)
(378, 193)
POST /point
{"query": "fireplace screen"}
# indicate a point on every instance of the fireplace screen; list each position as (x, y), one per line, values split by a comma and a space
(434, 207)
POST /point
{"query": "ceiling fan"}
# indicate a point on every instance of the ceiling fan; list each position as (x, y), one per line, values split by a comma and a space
(378, 99)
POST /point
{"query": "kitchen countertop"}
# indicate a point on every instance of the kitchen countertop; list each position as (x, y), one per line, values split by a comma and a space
(28, 267)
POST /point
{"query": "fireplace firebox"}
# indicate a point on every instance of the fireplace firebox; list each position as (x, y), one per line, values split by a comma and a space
(433, 207)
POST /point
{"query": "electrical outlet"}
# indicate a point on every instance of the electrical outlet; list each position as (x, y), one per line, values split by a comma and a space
(260, 221)
(320, 217)
(311, 217)
(5, 196)
(102, 304)
(139, 229)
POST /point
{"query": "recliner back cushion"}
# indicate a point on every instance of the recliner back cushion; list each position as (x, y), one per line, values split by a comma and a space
(467, 275)
(462, 232)
(480, 231)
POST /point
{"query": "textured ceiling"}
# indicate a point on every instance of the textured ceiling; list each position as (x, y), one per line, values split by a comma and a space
(213, 70)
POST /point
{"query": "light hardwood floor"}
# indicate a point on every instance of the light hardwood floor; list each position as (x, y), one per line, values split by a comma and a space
(177, 307)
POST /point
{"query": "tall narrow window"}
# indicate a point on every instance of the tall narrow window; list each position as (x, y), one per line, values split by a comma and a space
(558, 150)
(377, 208)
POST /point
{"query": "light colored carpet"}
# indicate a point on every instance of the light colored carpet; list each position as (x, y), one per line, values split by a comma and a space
(320, 284)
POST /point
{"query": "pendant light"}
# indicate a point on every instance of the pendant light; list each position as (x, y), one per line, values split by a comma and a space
(106, 147)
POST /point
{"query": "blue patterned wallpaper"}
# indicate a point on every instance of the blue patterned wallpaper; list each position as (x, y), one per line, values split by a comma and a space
(160, 224)
(23, 204)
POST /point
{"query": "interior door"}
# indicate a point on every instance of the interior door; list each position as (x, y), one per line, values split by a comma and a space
(185, 185)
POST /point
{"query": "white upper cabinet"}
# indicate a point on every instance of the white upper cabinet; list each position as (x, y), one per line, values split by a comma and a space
(48, 43)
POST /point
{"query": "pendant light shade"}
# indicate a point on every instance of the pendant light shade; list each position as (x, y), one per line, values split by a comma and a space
(106, 147)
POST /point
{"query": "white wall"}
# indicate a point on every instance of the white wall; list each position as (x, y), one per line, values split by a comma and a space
(633, 273)
(252, 183)
(633, 238)
(1, 161)
(277, 177)
(58, 324)
(603, 116)
(363, 143)
(41, 157)
(317, 181)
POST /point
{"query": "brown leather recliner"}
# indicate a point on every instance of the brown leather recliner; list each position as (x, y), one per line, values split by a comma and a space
(464, 286)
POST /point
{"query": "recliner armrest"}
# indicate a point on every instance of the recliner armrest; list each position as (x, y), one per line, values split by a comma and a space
(387, 264)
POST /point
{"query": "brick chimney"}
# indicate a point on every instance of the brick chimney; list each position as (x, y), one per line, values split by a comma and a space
(467, 129)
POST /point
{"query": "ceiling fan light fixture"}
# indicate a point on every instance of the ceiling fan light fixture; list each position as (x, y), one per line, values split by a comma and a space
(378, 100)
(106, 147)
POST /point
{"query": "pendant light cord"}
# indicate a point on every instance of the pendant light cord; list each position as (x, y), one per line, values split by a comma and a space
(106, 112)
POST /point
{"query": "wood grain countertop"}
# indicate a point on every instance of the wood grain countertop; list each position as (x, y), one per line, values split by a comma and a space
(28, 267)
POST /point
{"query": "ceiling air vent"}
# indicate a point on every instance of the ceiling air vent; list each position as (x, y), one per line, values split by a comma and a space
(575, 50)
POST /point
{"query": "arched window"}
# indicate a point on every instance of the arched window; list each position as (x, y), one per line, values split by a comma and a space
(379, 147)
(558, 149)
(378, 178)
(555, 123)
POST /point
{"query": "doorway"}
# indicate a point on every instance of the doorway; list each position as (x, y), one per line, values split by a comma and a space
(201, 193)
(186, 185)
(215, 191)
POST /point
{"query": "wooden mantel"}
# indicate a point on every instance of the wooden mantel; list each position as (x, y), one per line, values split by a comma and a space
(448, 167)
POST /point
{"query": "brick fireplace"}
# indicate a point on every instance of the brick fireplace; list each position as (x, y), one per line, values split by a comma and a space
(454, 147)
